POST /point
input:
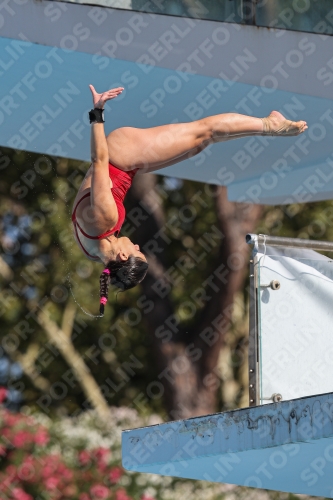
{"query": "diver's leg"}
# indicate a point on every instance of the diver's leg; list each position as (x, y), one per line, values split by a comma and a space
(162, 146)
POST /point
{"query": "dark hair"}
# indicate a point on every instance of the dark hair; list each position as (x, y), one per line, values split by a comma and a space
(124, 274)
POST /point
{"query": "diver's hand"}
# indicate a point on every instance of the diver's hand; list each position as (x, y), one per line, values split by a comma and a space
(99, 100)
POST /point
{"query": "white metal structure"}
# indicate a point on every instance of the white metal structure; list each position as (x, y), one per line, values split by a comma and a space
(291, 318)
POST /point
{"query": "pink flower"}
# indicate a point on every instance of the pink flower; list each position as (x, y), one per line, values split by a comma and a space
(99, 491)
(27, 471)
(12, 419)
(51, 483)
(146, 497)
(41, 437)
(3, 450)
(5, 432)
(84, 496)
(84, 457)
(122, 495)
(3, 394)
(21, 438)
(10, 471)
(102, 454)
(28, 463)
(115, 474)
(47, 471)
(64, 472)
(19, 494)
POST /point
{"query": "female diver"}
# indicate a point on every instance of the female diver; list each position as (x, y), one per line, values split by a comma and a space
(99, 213)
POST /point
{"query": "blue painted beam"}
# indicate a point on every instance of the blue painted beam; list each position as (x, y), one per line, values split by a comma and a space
(286, 446)
(173, 70)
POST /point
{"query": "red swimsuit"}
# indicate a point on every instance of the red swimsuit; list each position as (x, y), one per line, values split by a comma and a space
(121, 181)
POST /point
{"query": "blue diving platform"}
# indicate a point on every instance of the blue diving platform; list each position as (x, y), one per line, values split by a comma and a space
(174, 69)
(284, 446)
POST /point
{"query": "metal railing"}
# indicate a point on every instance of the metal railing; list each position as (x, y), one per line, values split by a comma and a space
(278, 241)
(314, 16)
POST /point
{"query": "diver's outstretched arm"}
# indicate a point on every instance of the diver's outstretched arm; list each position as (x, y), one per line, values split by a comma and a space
(104, 214)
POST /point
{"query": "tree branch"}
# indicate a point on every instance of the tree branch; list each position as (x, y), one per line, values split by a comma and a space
(27, 362)
(68, 318)
(63, 343)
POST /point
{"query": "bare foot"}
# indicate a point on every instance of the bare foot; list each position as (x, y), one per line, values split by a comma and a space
(277, 124)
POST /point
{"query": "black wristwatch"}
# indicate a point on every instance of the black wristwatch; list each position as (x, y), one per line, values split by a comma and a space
(96, 115)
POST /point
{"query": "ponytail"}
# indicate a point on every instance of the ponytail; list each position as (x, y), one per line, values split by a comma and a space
(124, 274)
(104, 281)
